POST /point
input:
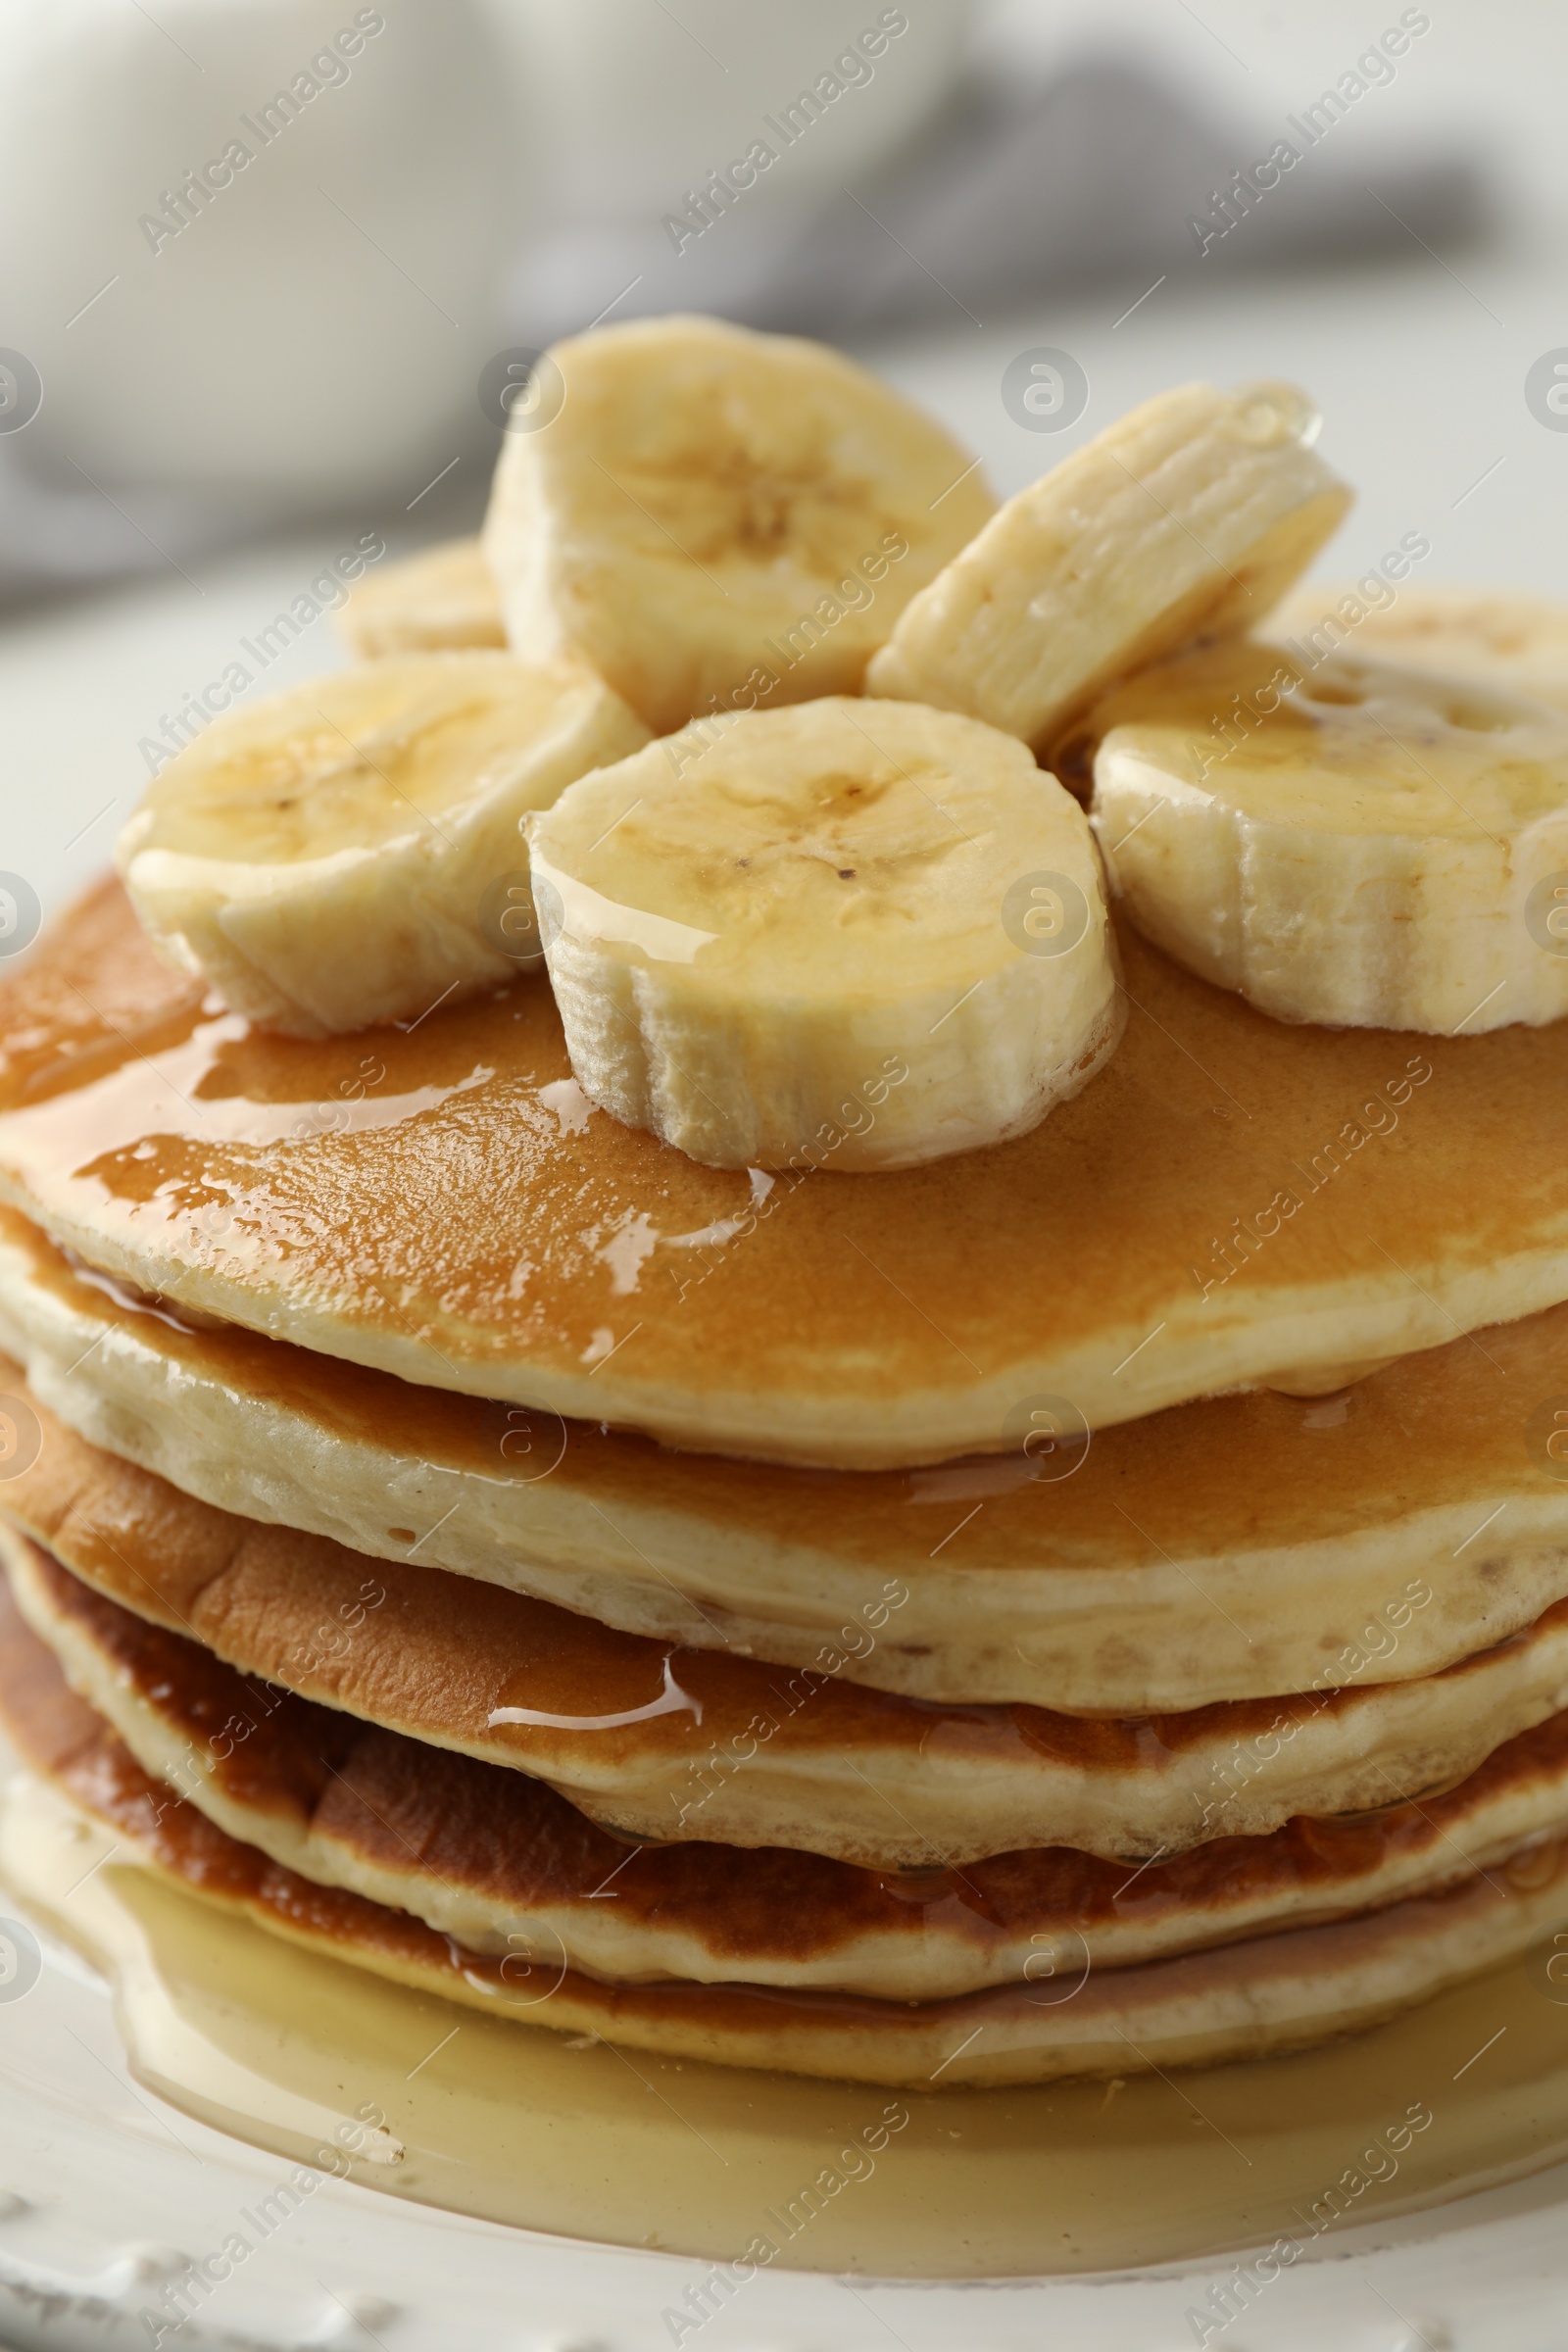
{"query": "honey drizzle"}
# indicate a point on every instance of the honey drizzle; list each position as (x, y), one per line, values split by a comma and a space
(327, 2064)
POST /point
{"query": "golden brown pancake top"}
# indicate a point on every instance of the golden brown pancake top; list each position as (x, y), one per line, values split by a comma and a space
(1231, 1473)
(415, 1198)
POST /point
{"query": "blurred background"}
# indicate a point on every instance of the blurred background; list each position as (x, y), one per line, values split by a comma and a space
(265, 263)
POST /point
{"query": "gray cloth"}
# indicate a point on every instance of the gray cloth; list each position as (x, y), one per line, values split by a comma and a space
(1097, 178)
(1016, 192)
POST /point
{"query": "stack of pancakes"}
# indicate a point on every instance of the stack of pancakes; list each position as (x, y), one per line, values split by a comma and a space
(977, 1624)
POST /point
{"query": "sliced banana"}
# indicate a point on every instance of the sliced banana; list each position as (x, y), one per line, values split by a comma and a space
(1351, 844)
(718, 520)
(1513, 641)
(1190, 515)
(350, 851)
(846, 935)
(442, 600)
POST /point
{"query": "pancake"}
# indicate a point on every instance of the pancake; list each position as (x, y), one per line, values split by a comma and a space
(657, 1743)
(1231, 1200)
(392, 1827)
(1519, 642)
(1154, 1579)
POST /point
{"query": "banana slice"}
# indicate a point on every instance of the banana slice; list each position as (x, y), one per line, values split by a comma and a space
(1190, 515)
(717, 520)
(846, 935)
(350, 851)
(442, 600)
(1513, 641)
(1349, 842)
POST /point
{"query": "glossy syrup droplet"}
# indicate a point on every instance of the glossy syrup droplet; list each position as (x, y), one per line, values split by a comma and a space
(1269, 413)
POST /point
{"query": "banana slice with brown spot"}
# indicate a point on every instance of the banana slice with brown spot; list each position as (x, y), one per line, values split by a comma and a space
(847, 935)
(351, 851)
(442, 600)
(1512, 641)
(1349, 843)
(720, 521)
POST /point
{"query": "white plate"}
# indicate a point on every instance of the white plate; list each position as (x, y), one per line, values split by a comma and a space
(105, 2193)
(108, 2194)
